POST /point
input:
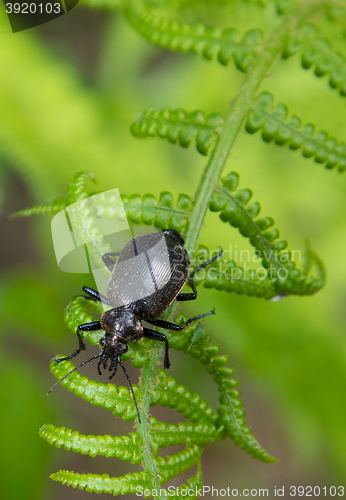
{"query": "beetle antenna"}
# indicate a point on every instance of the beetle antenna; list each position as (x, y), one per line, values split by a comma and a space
(73, 370)
(133, 394)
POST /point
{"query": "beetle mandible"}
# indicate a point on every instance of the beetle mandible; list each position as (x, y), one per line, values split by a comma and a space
(146, 278)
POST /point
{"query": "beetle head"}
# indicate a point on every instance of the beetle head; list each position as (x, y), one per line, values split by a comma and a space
(121, 325)
(112, 349)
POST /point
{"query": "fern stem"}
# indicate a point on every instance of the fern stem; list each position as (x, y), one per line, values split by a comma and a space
(147, 381)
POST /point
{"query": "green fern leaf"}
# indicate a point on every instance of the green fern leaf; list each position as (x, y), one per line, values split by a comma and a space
(194, 484)
(276, 126)
(228, 276)
(103, 483)
(163, 434)
(174, 465)
(161, 213)
(108, 396)
(317, 54)
(126, 448)
(120, 402)
(76, 191)
(208, 42)
(169, 393)
(234, 208)
(168, 468)
(233, 205)
(51, 207)
(180, 125)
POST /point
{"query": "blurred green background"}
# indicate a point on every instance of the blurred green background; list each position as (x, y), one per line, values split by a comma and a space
(69, 91)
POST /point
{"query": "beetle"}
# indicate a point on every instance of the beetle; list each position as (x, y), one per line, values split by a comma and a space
(146, 278)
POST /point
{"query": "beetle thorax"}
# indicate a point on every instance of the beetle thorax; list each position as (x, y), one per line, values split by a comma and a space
(122, 324)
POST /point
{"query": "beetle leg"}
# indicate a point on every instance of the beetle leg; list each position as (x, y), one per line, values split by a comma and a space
(94, 295)
(150, 334)
(171, 326)
(108, 262)
(186, 296)
(98, 367)
(193, 295)
(164, 324)
(86, 327)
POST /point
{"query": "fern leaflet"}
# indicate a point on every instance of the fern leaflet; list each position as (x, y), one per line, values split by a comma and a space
(209, 42)
(180, 125)
(276, 126)
(317, 54)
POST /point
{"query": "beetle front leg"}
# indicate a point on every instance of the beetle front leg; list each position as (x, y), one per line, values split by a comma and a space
(150, 334)
(86, 327)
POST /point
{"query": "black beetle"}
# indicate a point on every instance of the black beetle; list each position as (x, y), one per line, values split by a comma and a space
(147, 277)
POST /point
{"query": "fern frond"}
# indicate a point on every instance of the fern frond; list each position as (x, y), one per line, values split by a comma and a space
(275, 124)
(232, 418)
(77, 188)
(174, 465)
(51, 207)
(161, 213)
(228, 276)
(97, 483)
(147, 209)
(317, 54)
(108, 396)
(233, 205)
(286, 278)
(180, 125)
(209, 42)
(194, 484)
(163, 434)
(169, 393)
(120, 401)
(126, 448)
(332, 11)
(168, 467)
(76, 191)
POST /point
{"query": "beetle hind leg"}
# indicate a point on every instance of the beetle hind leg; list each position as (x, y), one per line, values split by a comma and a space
(172, 326)
(195, 318)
